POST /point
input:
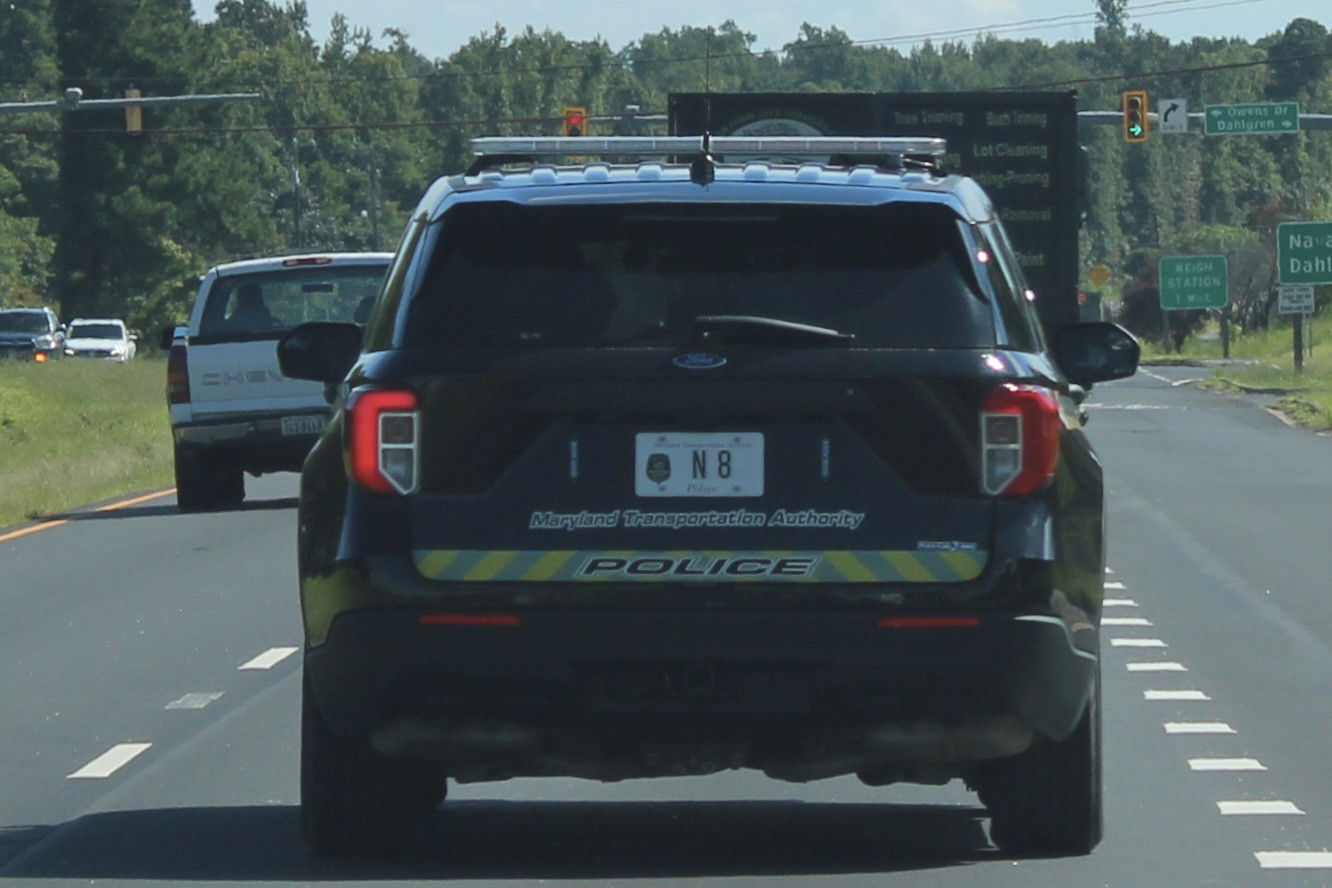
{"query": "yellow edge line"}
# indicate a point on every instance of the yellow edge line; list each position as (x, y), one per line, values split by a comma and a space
(53, 523)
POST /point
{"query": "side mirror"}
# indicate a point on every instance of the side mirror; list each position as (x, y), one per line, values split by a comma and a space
(169, 335)
(322, 351)
(1096, 352)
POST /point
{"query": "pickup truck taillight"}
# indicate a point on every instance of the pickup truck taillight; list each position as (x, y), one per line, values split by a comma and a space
(1019, 439)
(178, 376)
(382, 440)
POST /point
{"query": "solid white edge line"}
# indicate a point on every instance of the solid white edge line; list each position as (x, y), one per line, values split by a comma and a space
(269, 658)
(110, 761)
(1257, 807)
(1198, 728)
(1294, 859)
(1155, 666)
(1175, 695)
(1226, 764)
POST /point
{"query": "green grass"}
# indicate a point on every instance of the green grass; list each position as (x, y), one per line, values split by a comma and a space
(79, 432)
(1269, 366)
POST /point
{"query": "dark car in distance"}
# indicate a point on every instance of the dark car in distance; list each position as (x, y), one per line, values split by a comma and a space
(682, 464)
(31, 334)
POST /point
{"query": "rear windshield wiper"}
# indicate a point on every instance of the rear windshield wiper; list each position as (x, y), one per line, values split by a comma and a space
(751, 328)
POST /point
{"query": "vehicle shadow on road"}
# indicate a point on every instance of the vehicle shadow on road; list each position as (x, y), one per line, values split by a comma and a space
(161, 509)
(520, 840)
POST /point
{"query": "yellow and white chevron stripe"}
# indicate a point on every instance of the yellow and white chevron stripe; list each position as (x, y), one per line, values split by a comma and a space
(577, 565)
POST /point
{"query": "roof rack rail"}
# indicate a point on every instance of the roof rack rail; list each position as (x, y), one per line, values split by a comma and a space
(494, 151)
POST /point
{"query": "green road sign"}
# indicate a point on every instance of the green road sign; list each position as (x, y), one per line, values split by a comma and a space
(1262, 117)
(1194, 282)
(1304, 253)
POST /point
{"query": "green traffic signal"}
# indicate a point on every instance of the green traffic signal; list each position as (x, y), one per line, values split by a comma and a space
(1135, 115)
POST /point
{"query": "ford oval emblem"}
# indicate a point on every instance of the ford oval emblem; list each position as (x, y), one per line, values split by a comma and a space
(698, 361)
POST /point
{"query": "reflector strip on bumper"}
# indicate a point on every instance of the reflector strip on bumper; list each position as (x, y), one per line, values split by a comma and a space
(865, 566)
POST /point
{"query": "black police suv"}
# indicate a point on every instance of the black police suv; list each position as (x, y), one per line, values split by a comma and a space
(695, 462)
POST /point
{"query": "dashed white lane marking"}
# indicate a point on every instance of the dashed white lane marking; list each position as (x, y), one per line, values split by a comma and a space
(196, 700)
(1226, 764)
(269, 658)
(1125, 621)
(1175, 695)
(1119, 602)
(1113, 584)
(110, 762)
(1198, 728)
(1294, 859)
(1258, 807)
(1137, 643)
(1156, 666)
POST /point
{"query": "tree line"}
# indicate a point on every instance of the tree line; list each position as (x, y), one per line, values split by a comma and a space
(97, 220)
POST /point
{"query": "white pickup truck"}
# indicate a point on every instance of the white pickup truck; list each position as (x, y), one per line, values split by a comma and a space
(232, 410)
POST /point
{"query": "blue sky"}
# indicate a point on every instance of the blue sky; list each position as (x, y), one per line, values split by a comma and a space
(438, 28)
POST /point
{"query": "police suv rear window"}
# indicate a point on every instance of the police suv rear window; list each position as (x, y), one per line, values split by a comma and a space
(506, 275)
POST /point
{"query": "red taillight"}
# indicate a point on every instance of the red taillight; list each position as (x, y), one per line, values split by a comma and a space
(178, 376)
(382, 440)
(1019, 439)
(470, 620)
(929, 622)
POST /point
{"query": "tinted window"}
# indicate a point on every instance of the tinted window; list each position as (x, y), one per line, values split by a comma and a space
(96, 331)
(506, 275)
(263, 304)
(23, 322)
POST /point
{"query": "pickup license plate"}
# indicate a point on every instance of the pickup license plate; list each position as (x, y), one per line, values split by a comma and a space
(302, 425)
(713, 464)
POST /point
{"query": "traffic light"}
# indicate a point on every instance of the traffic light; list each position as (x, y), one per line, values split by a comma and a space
(133, 116)
(575, 121)
(1135, 115)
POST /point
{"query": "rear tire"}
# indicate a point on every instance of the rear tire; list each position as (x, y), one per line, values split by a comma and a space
(1046, 802)
(202, 483)
(354, 800)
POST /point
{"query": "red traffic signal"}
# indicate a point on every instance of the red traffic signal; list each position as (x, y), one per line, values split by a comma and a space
(1135, 116)
(575, 121)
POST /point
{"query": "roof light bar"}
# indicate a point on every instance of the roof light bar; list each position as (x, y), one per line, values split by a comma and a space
(661, 146)
(544, 146)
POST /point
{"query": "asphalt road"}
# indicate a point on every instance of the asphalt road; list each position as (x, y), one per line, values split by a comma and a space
(149, 696)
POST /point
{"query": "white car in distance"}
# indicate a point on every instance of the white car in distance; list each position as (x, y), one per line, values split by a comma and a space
(106, 338)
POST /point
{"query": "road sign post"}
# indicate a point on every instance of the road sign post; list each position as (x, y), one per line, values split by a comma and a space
(1256, 118)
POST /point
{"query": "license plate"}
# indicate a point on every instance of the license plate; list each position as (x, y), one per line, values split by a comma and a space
(713, 464)
(302, 425)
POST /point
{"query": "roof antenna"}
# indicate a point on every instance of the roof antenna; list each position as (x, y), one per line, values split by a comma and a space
(702, 169)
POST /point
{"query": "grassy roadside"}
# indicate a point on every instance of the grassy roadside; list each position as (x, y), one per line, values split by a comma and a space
(1265, 362)
(75, 432)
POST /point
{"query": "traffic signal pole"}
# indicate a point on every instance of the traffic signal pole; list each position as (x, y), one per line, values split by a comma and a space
(73, 100)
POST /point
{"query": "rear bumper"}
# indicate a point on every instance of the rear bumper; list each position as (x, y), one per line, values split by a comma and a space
(409, 677)
(255, 445)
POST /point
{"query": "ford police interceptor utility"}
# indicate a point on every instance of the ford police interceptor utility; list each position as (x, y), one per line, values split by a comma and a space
(687, 461)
